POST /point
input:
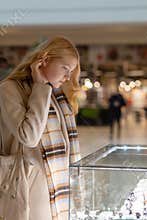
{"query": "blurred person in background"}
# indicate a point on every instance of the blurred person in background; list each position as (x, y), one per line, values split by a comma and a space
(116, 102)
(41, 118)
(145, 106)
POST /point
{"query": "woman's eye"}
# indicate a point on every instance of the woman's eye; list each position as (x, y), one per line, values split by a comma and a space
(65, 68)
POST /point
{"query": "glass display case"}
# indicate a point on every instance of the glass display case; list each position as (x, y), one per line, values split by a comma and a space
(110, 184)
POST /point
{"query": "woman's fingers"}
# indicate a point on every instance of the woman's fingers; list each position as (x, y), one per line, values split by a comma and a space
(37, 74)
(36, 65)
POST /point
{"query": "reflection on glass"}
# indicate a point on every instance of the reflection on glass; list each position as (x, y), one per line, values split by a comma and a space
(110, 184)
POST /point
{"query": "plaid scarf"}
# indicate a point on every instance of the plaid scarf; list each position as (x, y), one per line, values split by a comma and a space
(59, 144)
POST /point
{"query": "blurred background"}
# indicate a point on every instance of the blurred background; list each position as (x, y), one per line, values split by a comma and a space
(111, 36)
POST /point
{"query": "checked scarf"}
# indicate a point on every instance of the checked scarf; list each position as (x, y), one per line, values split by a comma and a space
(59, 146)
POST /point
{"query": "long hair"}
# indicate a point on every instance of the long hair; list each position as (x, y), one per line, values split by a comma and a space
(56, 48)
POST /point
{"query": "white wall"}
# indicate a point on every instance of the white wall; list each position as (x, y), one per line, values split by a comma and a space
(26, 12)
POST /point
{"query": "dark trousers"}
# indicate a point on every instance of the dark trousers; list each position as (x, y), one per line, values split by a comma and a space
(114, 120)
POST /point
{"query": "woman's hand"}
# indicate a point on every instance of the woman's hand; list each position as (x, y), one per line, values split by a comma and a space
(37, 74)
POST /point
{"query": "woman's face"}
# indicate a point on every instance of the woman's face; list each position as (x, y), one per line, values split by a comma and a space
(57, 71)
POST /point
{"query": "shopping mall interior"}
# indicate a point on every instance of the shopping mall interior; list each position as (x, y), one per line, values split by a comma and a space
(111, 37)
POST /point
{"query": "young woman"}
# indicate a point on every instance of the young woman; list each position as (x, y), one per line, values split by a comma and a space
(37, 105)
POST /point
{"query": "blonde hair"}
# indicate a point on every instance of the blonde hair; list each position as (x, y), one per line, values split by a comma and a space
(56, 48)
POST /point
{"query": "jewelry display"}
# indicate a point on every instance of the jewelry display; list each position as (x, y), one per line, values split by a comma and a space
(114, 184)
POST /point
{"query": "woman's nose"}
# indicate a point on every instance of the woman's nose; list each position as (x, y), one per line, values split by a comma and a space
(67, 76)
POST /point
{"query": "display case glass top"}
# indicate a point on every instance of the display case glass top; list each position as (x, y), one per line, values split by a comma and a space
(116, 157)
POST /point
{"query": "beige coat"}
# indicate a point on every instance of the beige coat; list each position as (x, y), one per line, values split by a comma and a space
(22, 121)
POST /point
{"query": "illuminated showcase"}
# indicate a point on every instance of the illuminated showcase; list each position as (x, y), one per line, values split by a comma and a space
(110, 184)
